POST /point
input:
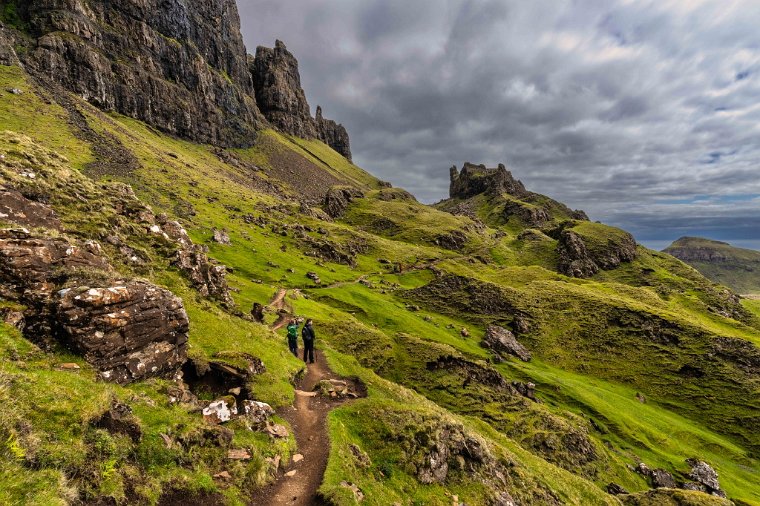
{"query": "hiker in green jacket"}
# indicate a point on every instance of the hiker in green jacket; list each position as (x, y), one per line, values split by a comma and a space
(293, 337)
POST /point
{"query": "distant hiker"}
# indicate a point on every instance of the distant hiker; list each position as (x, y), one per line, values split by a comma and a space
(308, 341)
(258, 312)
(293, 337)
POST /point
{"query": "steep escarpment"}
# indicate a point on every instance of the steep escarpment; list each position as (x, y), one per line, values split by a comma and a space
(283, 101)
(179, 66)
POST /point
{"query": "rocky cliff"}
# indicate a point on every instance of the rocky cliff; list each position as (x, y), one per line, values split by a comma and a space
(476, 179)
(282, 100)
(179, 66)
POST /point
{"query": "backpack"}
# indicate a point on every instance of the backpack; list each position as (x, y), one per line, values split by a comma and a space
(292, 331)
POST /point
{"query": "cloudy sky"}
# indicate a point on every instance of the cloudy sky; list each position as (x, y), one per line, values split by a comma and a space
(645, 114)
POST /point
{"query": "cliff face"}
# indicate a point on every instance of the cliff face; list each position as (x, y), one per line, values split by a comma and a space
(180, 66)
(278, 90)
(282, 100)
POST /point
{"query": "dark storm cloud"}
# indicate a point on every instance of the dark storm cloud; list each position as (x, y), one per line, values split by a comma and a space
(632, 110)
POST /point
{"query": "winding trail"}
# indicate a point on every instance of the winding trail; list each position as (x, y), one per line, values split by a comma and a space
(308, 420)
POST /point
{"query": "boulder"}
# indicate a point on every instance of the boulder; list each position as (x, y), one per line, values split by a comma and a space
(221, 237)
(615, 489)
(502, 341)
(702, 473)
(662, 479)
(128, 330)
(220, 411)
(527, 390)
(257, 413)
(32, 266)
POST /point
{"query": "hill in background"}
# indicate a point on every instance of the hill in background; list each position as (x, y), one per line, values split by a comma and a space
(737, 268)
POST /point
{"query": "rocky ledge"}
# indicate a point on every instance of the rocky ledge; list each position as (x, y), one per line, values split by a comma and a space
(581, 258)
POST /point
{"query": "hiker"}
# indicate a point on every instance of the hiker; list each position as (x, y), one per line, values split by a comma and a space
(308, 341)
(293, 337)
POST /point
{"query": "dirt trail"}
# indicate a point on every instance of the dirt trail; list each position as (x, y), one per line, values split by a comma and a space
(279, 304)
(308, 419)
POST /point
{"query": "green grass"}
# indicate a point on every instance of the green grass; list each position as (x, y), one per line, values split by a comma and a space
(45, 123)
(590, 341)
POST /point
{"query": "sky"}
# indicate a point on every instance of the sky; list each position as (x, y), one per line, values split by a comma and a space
(646, 114)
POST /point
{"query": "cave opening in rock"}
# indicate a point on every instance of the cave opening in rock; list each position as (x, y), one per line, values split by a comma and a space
(211, 380)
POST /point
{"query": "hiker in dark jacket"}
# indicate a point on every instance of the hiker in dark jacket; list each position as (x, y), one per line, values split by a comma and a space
(293, 337)
(308, 342)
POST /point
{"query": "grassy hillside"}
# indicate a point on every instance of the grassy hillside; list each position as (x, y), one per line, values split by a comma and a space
(646, 362)
(736, 268)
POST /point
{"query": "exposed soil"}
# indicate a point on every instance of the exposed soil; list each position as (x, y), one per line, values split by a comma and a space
(308, 419)
(279, 304)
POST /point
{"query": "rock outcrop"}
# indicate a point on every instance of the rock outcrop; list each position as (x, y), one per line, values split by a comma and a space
(705, 478)
(502, 341)
(278, 91)
(530, 214)
(127, 329)
(574, 258)
(477, 179)
(339, 198)
(333, 134)
(281, 99)
(580, 258)
(209, 278)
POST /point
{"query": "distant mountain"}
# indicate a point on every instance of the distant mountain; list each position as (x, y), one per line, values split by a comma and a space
(737, 268)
